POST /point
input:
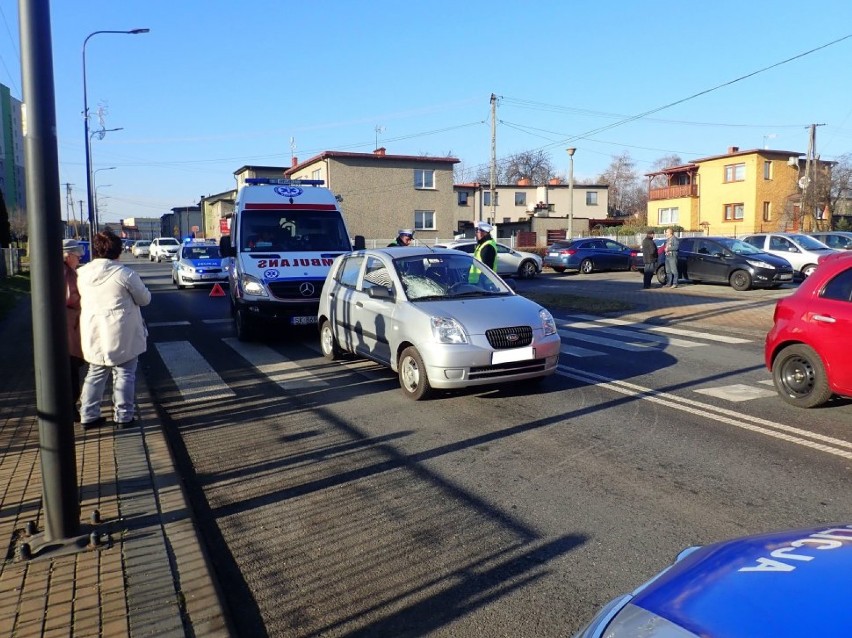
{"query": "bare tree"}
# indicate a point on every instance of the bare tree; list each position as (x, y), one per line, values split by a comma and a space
(622, 180)
(536, 166)
(666, 161)
(840, 186)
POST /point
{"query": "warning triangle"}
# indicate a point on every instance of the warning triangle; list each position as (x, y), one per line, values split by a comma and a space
(217, 291)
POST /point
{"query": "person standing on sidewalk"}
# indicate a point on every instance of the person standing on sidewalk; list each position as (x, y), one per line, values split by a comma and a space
(72, 251)
(649, 256)
(112, 330)
(671, 246)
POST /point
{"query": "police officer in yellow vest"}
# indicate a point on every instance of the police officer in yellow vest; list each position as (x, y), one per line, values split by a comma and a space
(485, 251)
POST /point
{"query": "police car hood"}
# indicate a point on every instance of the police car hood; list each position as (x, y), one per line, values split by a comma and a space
(792, 583)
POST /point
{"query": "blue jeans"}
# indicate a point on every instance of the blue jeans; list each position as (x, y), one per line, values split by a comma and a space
(671, 270)
(123, 392)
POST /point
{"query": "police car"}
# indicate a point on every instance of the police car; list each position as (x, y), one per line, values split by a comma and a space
(790, 583)
(198, 262)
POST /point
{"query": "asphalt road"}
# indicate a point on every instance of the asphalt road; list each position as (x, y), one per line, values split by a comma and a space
(333, 506)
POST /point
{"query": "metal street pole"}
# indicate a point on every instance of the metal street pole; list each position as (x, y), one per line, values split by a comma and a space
(60, 498)
(100, 133)
(87, 139)
(94, 182)
(571, 152)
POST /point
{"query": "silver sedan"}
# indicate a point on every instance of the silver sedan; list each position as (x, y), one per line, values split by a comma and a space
(436, 317)
(510, 262)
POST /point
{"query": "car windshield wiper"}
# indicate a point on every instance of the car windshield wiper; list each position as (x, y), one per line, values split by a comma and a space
(477, 293)
(429, 298)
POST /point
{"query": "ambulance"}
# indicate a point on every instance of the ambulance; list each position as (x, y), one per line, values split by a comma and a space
(283, 237)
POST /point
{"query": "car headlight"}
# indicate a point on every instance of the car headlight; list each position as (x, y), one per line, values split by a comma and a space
(547, 322)
(253, 286)
(760, 264)
(189, 269)
(448, 330)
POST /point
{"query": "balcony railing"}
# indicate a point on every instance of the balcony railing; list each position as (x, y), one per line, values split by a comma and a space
(672, 192)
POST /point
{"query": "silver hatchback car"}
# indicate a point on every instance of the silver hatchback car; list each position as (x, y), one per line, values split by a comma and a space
(435, 317)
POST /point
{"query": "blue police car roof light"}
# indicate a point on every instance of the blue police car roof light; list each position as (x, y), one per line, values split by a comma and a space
(285, 182)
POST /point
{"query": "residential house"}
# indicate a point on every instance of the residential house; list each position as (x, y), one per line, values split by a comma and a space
(182, 222)
(215, 213)
(381, 193)
(540, 209)
(737, 193)
(12, 174)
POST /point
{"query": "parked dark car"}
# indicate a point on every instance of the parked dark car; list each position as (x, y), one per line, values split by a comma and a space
(589, 254)
(729, 261)
(837, 239)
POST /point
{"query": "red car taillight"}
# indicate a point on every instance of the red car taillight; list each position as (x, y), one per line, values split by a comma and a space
(567, 251)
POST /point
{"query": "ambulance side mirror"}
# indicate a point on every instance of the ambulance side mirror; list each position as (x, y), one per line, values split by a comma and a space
(360, 243)
(225, 248)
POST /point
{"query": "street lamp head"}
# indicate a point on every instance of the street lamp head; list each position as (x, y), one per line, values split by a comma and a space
(135, 31)
(571, 151)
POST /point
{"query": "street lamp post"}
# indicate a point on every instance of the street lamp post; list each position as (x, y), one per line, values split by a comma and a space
(571, 152)
(87, 139)
(95, 190)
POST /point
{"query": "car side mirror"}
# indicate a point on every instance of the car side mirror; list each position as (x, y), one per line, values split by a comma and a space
(719, 254)
(792, 249)
(379, 292)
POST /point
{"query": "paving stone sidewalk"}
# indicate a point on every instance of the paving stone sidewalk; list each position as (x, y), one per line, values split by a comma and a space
(150, 577)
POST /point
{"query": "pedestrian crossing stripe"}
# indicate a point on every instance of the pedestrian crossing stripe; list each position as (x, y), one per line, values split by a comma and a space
(272, 364)
(632, 334)
(194, 377)
(708, 336)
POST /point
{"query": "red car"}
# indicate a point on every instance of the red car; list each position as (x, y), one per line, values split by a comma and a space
(807, 349)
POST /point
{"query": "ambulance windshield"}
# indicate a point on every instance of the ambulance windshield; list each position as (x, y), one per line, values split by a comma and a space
(292, 231)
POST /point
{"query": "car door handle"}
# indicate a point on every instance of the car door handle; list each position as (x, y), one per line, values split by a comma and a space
(824, 318)
(358, 304)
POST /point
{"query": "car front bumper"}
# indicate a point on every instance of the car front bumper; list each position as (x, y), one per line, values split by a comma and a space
(465, 365)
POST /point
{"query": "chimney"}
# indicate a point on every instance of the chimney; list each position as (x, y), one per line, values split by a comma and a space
(733, 149)
(380, 151)
(294, 162)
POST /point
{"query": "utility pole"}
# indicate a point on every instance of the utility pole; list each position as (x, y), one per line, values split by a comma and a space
(493, 158)
(69, 210)
(809, 179)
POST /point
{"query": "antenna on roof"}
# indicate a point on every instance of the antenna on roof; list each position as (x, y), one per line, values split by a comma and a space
(379, 131)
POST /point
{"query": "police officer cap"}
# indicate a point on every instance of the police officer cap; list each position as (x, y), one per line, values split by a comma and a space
(485, 227)
(406, 231)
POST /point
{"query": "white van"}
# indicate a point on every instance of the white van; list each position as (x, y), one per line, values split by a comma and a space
(284, 235)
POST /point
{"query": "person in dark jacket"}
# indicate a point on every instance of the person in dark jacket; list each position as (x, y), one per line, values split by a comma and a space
(404, 238)
(649, 256)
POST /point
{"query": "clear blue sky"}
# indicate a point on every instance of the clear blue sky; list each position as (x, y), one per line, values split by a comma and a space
(218, 84)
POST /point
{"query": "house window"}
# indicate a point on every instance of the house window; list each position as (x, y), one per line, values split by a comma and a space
(767, 169)
(507, 220)
(733, 212)
(767, 211)
(463, 195)
(520, 199)
(668, 215)
(735, 172)
(424, 220)
(486, 198)
(424, 178)
(317, 174)
(591, 198)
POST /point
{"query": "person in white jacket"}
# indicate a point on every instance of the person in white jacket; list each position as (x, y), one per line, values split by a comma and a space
(112, 331)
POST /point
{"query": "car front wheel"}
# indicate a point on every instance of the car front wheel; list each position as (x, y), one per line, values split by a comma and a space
(412, 375)
(800, 378)
(328, 342)
(740, 280)
(527, 270)
(243, 325)
(808, 270)
(661, 275)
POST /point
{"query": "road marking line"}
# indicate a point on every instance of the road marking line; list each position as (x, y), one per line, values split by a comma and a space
(642, 346)
(737, 392)
(193, 376)
(277, 368)
(632, 334)
(577, 351)
(761, 426)
(675, 331)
